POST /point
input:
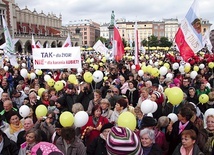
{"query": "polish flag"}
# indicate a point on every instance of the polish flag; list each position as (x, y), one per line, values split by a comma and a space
(35, 45)
(136, 61)
(118, 48)
(188, 37)
(67, 42)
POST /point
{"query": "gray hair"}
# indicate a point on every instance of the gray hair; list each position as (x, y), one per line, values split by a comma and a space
(77, 107)
(150, 132)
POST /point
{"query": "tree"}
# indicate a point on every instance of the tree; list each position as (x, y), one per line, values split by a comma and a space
(153, 41)
(103, 40)
(144, 42)
(164, 42)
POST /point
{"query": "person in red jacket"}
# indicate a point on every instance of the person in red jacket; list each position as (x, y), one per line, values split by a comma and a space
(92, 128)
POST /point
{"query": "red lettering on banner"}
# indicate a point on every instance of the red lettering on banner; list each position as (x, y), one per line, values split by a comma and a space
(39, 62)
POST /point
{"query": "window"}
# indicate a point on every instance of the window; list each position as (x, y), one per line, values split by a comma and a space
(85, 33)
(85, 37)
(85, 42)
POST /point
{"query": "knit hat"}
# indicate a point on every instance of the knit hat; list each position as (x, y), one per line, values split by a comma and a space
(148, 121)
(122, 141)
(106, 126)
(158, 94)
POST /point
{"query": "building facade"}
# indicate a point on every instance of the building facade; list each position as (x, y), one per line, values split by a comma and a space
(23, 23)
(89, 30)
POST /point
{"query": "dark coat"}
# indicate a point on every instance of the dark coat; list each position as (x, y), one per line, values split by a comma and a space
(196, 150)
(155, 150)
(70, 100)
(97, 147)
(174, 138)
(9, 147)
(132, 97)
(84, 98)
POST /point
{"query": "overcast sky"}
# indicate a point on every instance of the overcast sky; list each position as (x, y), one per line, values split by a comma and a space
(100, 10)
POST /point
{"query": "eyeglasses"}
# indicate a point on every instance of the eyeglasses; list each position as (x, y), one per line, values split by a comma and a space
(50, 117)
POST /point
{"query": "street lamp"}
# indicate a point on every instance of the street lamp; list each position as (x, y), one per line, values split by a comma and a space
(148, 42)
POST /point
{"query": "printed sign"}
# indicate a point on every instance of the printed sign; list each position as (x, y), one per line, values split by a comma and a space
(56, 58)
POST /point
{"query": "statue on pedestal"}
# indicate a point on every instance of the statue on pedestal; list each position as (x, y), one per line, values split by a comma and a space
(112, 18)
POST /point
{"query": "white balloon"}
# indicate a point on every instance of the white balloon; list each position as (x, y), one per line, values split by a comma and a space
(163, 70)
(150, 115)
(147, 106)
(92, 60)
(150, 62)
(140, 72)
(32, 76)
(173, 117)
(47, 77)
(97, 76)
(24, 65)
(201, 66)
(133, 67)
(155, 107)
(181, 69)
(133, 57)
(175, 66)
(193, 74)
(169, 76)
(23, 72)
(79, 70)
(6, 68)
(80, 118)
(24, 111)
(187, 64)
(156, 64)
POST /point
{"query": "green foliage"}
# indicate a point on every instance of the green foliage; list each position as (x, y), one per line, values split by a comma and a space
(164, 42)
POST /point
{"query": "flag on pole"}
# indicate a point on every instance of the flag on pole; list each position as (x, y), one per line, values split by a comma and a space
(136, 61)
(130, 39)
(118, 48)
(9, 48)
(67, 42)
(188, 37)
(34, 44)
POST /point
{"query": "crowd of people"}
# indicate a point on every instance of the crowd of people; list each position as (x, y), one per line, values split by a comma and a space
(123, 89)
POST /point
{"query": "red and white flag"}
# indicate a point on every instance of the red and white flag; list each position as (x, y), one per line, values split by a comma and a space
(67, 42)
(188, 37)
(118, 48)
(136, 49)
(34, 44)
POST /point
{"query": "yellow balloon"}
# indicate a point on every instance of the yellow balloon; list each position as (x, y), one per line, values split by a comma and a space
(66, 119)
(166, 65)
(40, 91)
(203, 98)
(211, 65)
(58, 85)
(88, 77)
(88, 60)
(175, 95)
(101, 64)
(187, 69)
(149, 69)
(41, 110)
(28, 75)
(166, 91)
(72, 78)
(160, 63)
(39, 72)
(51, 82)
(144, 68)
(105, 78)
(155, 72)
(127, 119)
(104, 60)
(96, 67)
(196, 68)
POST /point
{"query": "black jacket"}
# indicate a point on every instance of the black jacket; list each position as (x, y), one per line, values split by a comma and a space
(97, 147)
(9, 147)
(155, 150)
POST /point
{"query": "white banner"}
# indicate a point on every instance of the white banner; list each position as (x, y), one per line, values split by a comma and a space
(56, 58)
(100, 47)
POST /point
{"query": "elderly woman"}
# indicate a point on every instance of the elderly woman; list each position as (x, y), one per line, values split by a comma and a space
(15, 126)
(106, 108)
(206, 136)
(95, 101)
(32, 138)
(92, 128)
(143, 96)
(147, 137)
(188, 144)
